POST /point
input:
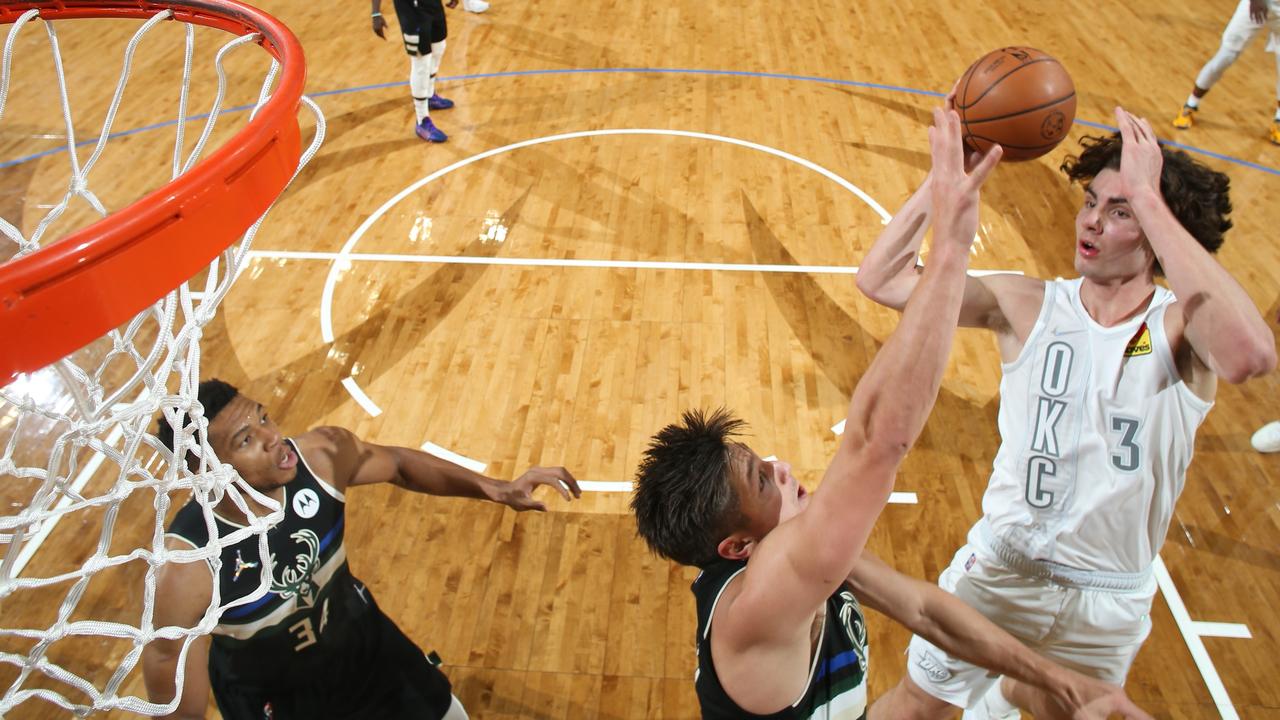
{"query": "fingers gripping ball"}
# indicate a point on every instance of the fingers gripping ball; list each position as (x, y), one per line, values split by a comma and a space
(1019, 98)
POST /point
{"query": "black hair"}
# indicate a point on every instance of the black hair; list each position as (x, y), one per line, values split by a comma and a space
(1198, 195)
(213, 395)
(683, 500)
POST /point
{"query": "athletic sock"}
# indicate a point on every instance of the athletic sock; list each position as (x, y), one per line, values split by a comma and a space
(420, 84)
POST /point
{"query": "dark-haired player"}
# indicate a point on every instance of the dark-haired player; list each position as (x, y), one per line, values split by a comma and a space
(424, 29)
(784, 573)
(316, 646)
(1106, 379)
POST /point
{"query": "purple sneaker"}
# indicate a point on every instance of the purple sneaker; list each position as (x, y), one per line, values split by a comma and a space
(428, 131)
(435, 102)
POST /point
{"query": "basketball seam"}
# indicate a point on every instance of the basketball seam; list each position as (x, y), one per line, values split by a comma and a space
(1014, 147)
(1064, 98)
(968, 78)
(1000, 79)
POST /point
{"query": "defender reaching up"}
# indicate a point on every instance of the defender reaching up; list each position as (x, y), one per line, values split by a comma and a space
(780, 628)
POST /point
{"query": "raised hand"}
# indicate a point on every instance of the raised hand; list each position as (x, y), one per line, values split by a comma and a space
(954, 186)
(518, 494)
(1141, 159)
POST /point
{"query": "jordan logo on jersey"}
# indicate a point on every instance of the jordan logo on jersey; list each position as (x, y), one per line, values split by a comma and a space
(1140, 344)
(241, 566)
(295, 580)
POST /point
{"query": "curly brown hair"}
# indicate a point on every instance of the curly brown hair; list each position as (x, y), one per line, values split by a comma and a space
(1198, 195)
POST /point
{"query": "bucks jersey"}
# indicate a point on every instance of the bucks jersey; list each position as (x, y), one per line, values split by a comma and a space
(308, 613)
(1097, 430)
(837, 688)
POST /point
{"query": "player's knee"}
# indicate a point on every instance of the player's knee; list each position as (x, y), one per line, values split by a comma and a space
(911, 702)
(1227, 56)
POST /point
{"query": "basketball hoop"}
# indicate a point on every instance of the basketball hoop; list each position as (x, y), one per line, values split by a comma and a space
(63, 296)
(107, 313)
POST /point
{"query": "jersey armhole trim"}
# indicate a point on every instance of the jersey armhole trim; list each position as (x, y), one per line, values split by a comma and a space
(334, 492)
(1042, 321)
(711, 615)
(813, 663)
(207, 561)
(1160, 339)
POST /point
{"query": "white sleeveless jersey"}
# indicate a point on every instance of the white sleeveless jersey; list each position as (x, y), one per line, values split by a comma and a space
(1097, 430)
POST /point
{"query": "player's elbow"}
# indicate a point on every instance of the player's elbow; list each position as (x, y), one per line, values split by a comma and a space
(875, 285)
(1250, 361)
(875, 457)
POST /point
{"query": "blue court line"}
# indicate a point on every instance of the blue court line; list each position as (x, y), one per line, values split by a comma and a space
(657, 71)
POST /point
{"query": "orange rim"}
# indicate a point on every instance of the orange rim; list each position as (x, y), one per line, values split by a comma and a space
(62, 297)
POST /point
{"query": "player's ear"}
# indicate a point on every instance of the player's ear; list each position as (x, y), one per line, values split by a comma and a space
(737, 546)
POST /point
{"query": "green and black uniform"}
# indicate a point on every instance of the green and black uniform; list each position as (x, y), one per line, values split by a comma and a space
(316, 645)
(837, 688)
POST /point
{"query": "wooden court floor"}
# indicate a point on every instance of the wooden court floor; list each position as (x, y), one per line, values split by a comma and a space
(557, 302)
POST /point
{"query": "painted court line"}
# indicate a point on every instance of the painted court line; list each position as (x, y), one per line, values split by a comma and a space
(326, 300)
(574, 263)
(1222, 630)
(1199, 654)
(358, 395)
(473, 465)
(898, 498)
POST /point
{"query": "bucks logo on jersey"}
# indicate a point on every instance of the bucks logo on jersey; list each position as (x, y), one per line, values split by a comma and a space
(295, 578)
(854, 626)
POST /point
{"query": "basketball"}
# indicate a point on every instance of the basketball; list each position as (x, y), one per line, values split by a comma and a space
(1019, 98)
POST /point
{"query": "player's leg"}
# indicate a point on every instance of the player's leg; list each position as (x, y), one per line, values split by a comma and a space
(1099, 634)
(415, 28)
(907, 701)
(1024, 607)
(1273, 46)
(438, 33)
(1240, 30)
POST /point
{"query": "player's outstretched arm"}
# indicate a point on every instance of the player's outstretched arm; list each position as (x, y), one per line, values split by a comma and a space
(946, 621)
(803, 560)
(890, 270)
(1217, 316)
(357, 462)
(183, 593)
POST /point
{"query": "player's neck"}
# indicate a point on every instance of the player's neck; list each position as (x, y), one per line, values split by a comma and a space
(1113, 301)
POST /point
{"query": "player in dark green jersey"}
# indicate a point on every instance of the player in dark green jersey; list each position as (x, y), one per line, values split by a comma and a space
(316, 645)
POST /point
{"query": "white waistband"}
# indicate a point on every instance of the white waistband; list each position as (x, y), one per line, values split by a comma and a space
(1058, 573)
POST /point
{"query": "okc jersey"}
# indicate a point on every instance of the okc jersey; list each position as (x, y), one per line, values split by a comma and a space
(313, 599)
(837, 688)
(1097, 430)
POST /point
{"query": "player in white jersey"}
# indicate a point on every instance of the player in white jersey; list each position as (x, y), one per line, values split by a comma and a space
(1106, 378)
(1249, 19)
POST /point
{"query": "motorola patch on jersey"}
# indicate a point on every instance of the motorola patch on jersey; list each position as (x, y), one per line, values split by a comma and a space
(305, 503)
(1140, 344)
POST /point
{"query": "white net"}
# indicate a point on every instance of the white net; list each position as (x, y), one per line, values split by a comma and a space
(86, 485)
